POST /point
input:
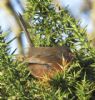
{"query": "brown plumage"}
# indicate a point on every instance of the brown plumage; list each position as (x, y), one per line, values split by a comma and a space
(46, 61)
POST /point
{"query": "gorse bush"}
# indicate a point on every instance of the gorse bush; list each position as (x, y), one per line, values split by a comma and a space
(50, 28)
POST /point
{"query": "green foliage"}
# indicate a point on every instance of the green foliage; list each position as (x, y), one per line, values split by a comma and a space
(49, 28)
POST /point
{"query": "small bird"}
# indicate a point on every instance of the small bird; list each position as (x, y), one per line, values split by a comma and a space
(46, 61)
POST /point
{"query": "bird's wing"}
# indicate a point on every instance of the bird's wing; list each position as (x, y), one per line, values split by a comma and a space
(44, 59)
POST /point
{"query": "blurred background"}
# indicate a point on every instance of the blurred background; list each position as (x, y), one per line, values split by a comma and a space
(83, 10)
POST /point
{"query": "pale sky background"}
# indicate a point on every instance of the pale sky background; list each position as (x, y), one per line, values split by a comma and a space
(74, 8)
